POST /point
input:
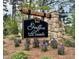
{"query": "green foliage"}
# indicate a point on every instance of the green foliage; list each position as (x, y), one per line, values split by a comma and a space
(27, 44)
(43, 46)
(54, 44)
(46, 57)
(70, 30)
(61, 50)
(10, 26)
(33, 6)
(44, 8)
(69, 43)
(16, 42)
(36, 43)
(19, 55)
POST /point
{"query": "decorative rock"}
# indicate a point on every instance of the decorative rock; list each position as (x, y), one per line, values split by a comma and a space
(53, 35)
(55, 25)
(49, 22)
(46, 19)
(55, 20)
(49, 28)
(59, 34)
(49, 37)
(61, 29)
(49, 31)
(55, 14)
(55, 30)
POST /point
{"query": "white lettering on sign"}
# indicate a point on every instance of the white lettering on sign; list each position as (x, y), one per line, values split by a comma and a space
(35, 30)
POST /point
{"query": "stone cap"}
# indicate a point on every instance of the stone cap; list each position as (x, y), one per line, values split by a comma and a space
(54, 14)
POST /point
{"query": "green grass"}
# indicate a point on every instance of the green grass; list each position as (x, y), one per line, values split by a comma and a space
(19, 55)
(46, 57)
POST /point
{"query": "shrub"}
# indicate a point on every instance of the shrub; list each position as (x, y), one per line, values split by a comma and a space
(46, 57)
(43, 46)
(27, 44)
(69, 43)
(16, 42)
(10, 26)
(54, 43)
(19, 55)
(61, 50)
(36, 43)
(70, 30)
(47, 41)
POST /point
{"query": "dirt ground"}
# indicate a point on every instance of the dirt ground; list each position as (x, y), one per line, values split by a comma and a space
(36, 53)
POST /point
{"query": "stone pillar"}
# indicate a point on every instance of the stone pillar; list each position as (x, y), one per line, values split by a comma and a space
(56, 27)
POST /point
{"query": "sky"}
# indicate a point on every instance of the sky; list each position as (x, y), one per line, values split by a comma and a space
(9, 7)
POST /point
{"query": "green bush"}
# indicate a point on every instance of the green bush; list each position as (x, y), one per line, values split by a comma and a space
(27, 44)
(46, 57)
(61, 50)
(70, 30)
(10, 26)
(16, 42)
(36, 43)
(43, 46)
(54, 44)
(19, 55)
(69, 43)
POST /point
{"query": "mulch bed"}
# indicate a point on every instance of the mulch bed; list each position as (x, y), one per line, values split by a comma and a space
(36, 53)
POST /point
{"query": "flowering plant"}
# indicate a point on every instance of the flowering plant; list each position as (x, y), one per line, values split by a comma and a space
(36, 43)
(54, 43)
(44, 45)
(61, 50)
(27, 44)
(16, 42)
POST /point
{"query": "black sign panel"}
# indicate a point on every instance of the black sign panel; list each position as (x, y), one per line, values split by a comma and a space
(38, 28)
